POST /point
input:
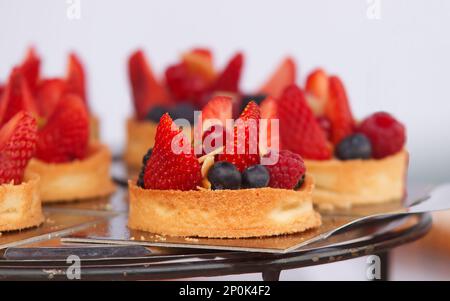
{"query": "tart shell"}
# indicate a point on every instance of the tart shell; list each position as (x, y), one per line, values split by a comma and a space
(223, 213)
(76, 180)
(20, 205)
(343, 184)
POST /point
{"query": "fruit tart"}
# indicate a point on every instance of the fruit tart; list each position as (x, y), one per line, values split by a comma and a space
(353, 162)
(20, 203)
(220, 191)
(186, 86)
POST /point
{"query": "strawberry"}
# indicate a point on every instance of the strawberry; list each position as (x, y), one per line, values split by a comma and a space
(228, 80)
(30, 69)
(288, 172)
(147, 91)
(199, 61)
(16, 97)
(18, 139)
(317, 84)
(337, 110)
(166, 169)
(299, 130)
(283, 77)
(76, 79)
(243, 156)
(219, 107)
(269, 110)
(49, 92)
(65, 136)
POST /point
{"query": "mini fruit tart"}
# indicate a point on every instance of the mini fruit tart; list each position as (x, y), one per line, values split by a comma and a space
(20, 202)
(187, 85)
(353, 163)
(224, 193)
(70, 167)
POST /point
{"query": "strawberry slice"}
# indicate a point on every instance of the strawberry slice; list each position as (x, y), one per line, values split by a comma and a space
(16, 97)
(167, 169)
(147, 91)
(30, 69)
(299, 130)
(228, 80)
(65, 136)
(317, 84)
(283, 77)
(337, 110)
(269, 111)
(199, 61)
(18, 139)
(49, 92)
(244, 150)
(76, 78)
(219, 107)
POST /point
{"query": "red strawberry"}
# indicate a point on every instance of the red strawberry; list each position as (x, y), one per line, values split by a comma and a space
(166, 169)
(16, 97)
(228, 80)
(338, 111)
(244, 149)
(219, 107)
(269, 111)
(317, 84)
(30, 69)
(76, 78)
(283, 77)
(49, 92)
(206, 53)
(299, 130)
(199, 62)
(65, 136)
(288, 172)
(147, 91)
(18, 139)
(2, 88)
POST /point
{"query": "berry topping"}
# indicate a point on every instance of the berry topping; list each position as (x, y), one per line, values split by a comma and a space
(76, 78)
(283, 77)
(257, 98)
(156, 112)
(199, 61)
(224, 175)
(244, 149)
(386, 134)
(17, 145)
(299, 130)
(65, 136)
(140, 181)
(228, 80)
(220, 108)
(30, 69)
(256, 176)
(325, 125)
(287, 172)
(317, 84)
(16, 97)
(49, 92)
(147, 91)
(183, 111)
(172, 164)
(355, 146)
(338, 111)
(269, 111)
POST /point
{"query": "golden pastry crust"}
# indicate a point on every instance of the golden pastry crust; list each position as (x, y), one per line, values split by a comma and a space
(223, 213)
(94, 129)
(77, 180)
(20, 205)
(358, 182)
(140, 137)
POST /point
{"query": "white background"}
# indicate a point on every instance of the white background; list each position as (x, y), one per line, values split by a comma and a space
(399, 63)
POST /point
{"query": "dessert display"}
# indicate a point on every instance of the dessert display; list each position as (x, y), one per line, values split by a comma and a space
(353, 162)
(217, 191)
(70, 164)
(187, 86)
(20, 203)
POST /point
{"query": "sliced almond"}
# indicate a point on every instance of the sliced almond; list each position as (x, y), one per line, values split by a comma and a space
(207, 164)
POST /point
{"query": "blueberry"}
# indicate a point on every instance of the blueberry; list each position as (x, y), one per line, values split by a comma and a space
(183, 110)
(300, 183)
(356, 146)
(156, 112)
(224, 175)
(258, 98)
(140, 181)
(256, 176)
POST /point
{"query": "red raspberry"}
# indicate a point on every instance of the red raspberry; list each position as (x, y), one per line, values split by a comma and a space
(386, 134)
(287, 172)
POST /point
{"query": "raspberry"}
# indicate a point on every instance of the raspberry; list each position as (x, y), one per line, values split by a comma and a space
(386, 134)
(287, 172)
